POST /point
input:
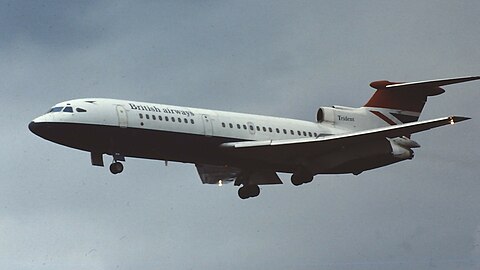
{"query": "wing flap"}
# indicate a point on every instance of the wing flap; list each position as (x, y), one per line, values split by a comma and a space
(211, 174)
(214, 174)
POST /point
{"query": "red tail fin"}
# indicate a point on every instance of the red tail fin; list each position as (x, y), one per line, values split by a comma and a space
(409, 99)
(405, 101)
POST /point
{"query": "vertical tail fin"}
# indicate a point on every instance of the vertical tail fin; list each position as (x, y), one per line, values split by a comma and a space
(398, 103)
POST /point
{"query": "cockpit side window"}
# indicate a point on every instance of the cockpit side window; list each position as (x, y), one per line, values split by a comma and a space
(68, 109)
(80, 110)
(56, 109)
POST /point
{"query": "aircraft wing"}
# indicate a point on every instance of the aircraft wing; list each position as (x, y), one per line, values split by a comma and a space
(307, 147)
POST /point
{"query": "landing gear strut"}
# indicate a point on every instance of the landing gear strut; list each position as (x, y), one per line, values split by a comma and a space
(248, 191)
(116, 167)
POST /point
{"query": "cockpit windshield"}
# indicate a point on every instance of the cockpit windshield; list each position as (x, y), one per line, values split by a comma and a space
(56, 109)
(68, 109)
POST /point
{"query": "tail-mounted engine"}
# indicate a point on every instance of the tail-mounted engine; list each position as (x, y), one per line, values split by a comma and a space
(326, 114)
(340, 116)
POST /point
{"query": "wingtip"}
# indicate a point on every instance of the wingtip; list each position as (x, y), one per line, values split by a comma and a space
(457, 119)
(472, 78)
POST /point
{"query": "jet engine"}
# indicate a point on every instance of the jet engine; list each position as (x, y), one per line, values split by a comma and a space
(326, 114)
(340, 116)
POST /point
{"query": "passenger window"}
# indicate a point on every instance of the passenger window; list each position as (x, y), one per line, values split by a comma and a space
(166, 118)
(230, 125)
(140, 115)
(258, 128)
(305, 134)
(68, 109)
(81, 110)
(278, 130)
(264, 129)
(244, 126)
(299, 133)
(284, 131)
(238, 126)
(292, 132)
(180, 120)
(223, 124)
(310, 134)
(315, 134)
(270, 129)
(173, 119)
(153, 117)
(160, 117)
(147, 116)
(185, 120)
(251, 128)
(191, 121)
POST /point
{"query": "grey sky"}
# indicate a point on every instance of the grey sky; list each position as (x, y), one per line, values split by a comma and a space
(282, 58)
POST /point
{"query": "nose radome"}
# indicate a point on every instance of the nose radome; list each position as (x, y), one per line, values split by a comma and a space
(33, 127)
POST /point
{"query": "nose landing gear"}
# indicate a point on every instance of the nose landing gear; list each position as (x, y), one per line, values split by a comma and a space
(116, 167)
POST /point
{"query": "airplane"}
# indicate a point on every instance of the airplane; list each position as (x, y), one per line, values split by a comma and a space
(249, 149)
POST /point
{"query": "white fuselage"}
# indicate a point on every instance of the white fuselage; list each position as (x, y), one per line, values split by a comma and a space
(183, 134)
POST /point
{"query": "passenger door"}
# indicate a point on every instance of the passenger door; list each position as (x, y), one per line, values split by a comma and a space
(207, 125)
(122, 116)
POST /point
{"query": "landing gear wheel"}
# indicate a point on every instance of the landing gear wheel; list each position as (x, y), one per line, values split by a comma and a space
(249, 191)
(242, 193)
(116, 167)
(255, 191)
(296, 180)
(300, 178)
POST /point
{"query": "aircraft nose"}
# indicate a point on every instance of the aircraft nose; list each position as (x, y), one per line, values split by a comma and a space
(38, 128)
(33, 127)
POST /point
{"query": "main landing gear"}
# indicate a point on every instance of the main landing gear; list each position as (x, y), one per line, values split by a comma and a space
(301, 177)
(248, 191)
(116, 167)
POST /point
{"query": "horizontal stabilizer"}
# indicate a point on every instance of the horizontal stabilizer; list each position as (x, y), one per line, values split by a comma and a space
(432, 83)
(430, 87)
(409, 97)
